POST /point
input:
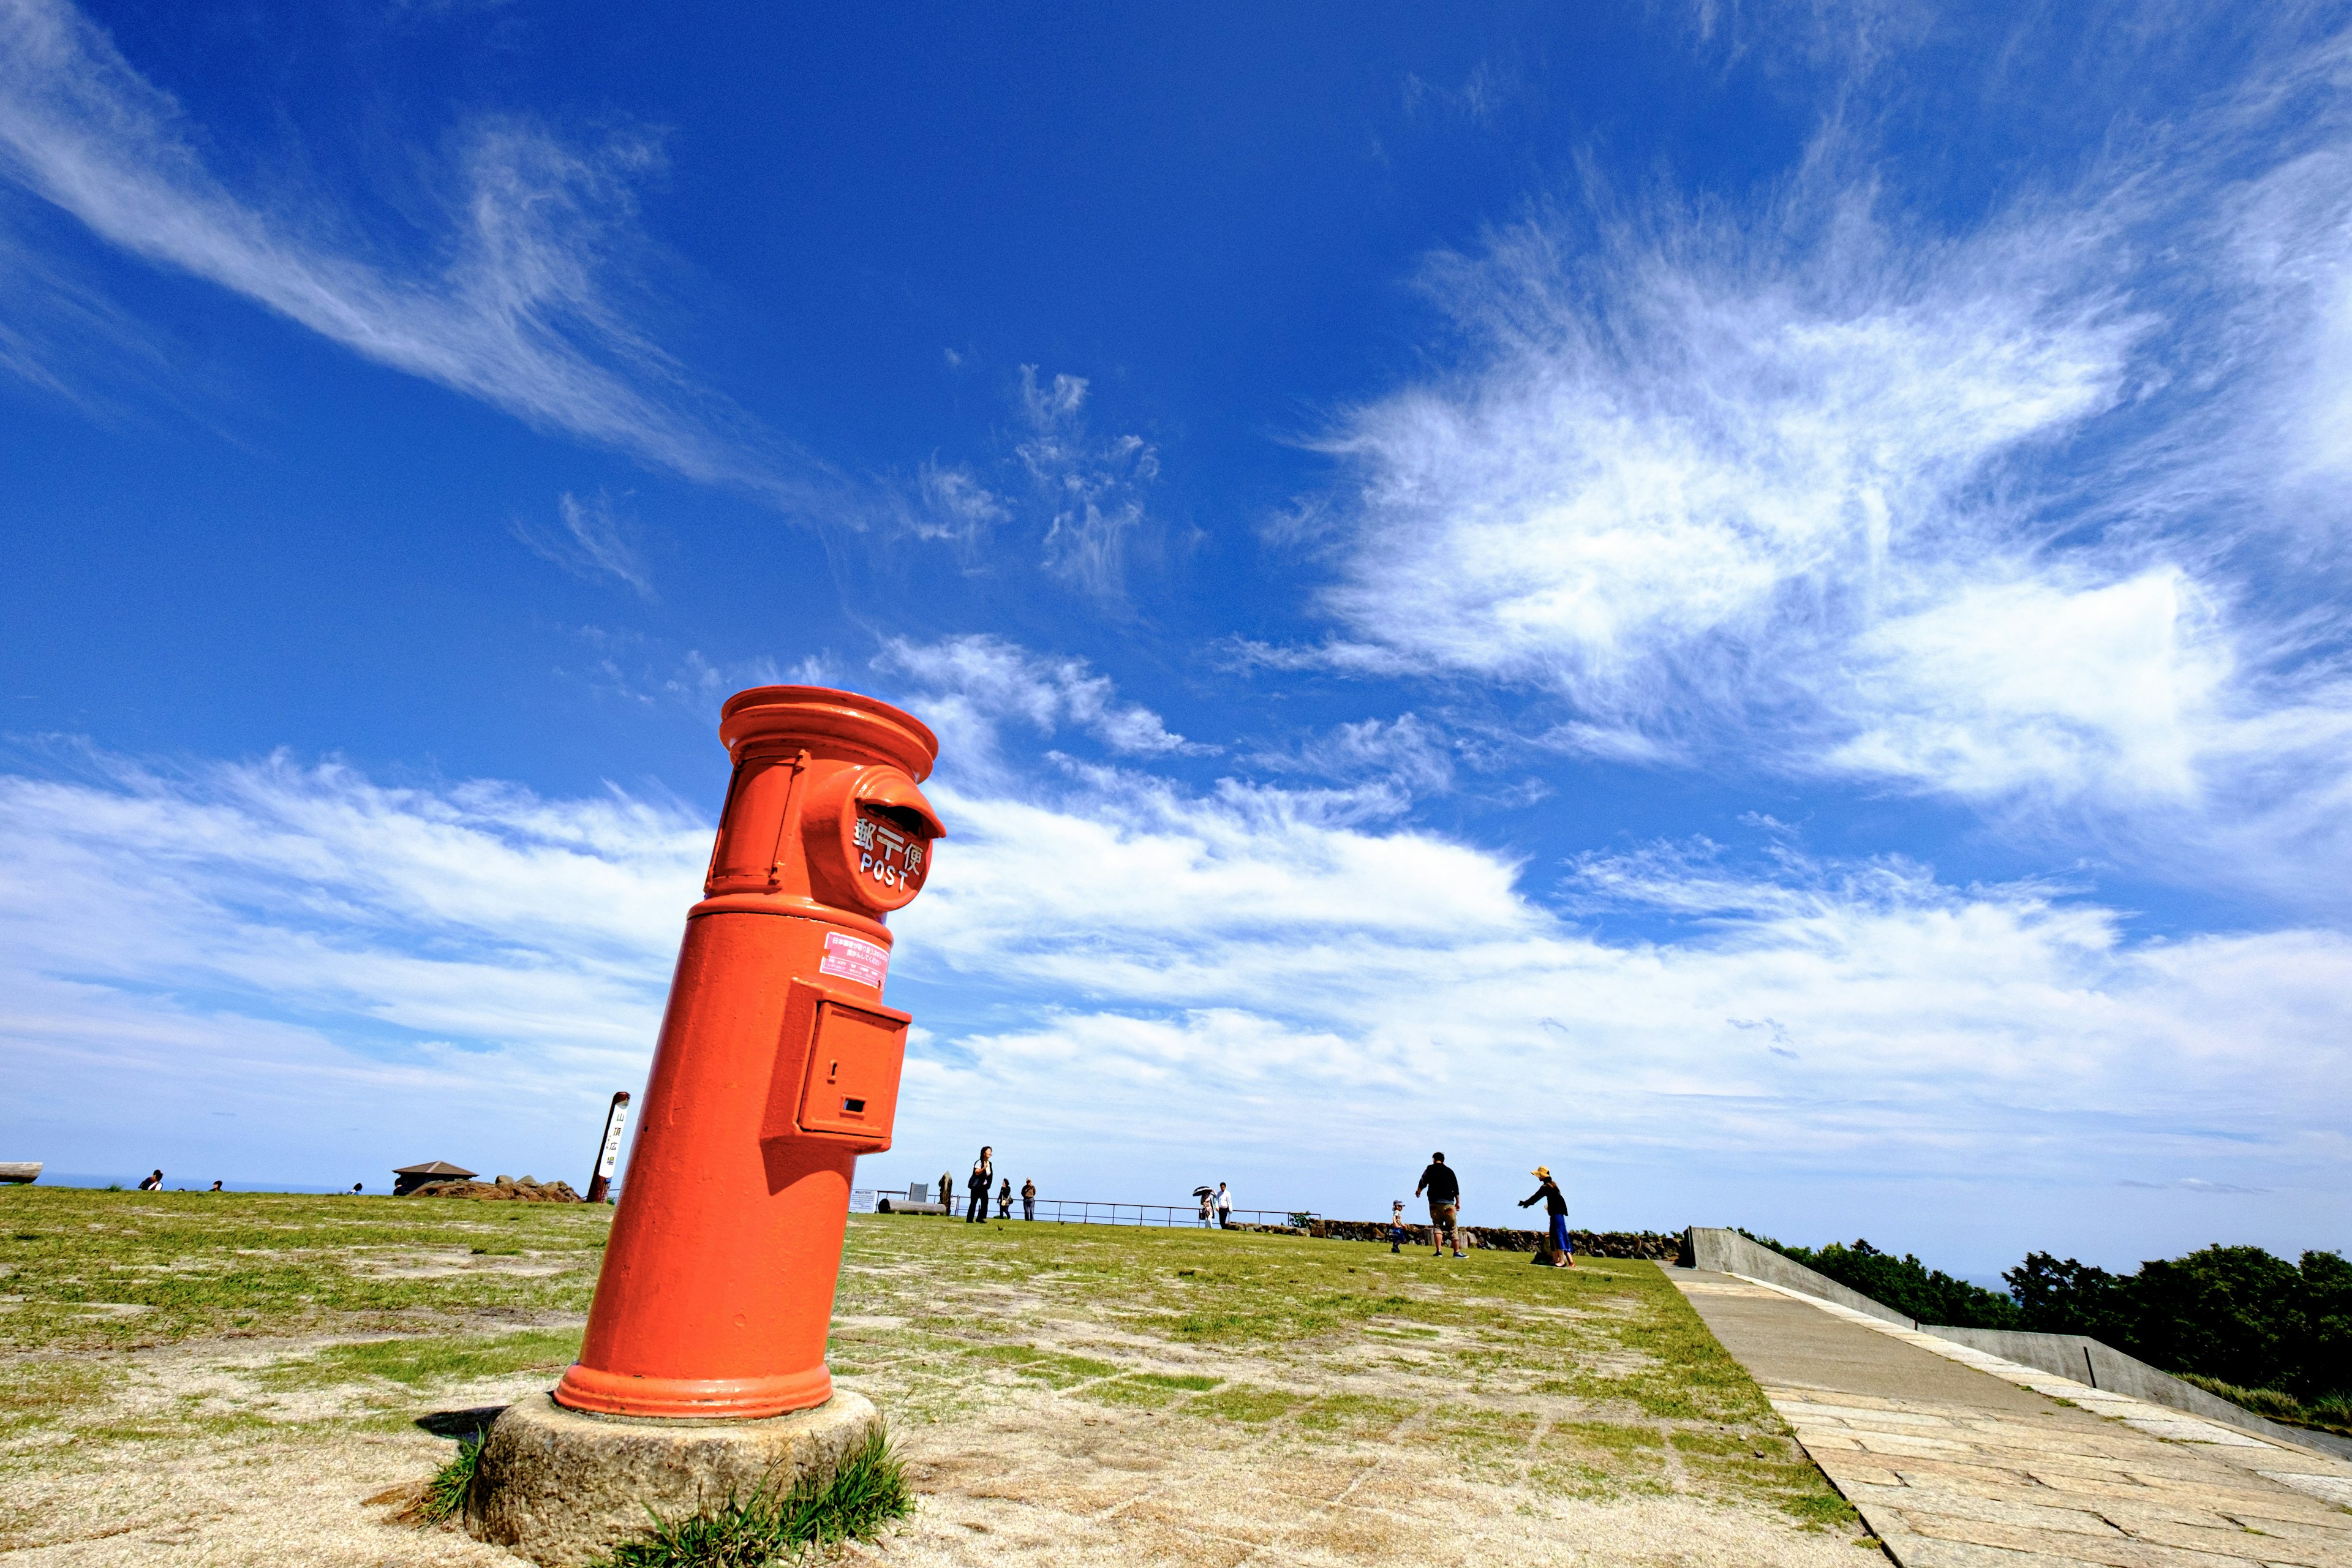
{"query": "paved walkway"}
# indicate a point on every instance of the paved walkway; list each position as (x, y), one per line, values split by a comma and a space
(1960, 1460)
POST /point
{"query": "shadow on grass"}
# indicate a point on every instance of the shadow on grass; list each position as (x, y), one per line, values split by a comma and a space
(468, 1423)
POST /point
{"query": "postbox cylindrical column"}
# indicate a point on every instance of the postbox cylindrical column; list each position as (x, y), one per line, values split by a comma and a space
(777, 1066)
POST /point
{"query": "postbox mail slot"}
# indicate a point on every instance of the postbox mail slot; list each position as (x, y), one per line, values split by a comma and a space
(852, 1089)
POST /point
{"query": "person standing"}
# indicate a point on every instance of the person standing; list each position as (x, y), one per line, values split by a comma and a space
(1208, 1196)
(1445, 1202)
(947, 1195)
(1396, 1227)
(1028, 1197)
(1563, 1252)
(1224, 1206)
(983, 1169)
(1005, 1200)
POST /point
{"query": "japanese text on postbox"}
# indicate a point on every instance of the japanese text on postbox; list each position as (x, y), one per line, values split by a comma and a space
(886, 854)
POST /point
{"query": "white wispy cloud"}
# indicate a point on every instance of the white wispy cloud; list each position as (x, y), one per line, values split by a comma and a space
(2041, 513)
(1092, 485)
(595, 539)
(358, 970)
(968, 687)
(525, 306)
(1629, 503)
(952, 504)
(1408, 750)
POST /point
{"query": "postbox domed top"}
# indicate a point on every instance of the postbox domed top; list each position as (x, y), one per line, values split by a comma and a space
(829, 723)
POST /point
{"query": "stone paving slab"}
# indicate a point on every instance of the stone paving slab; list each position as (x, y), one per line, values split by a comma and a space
(1957, 1459)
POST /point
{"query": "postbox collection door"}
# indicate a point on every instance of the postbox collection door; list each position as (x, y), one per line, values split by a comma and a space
(837, 1073)
(853, 1073)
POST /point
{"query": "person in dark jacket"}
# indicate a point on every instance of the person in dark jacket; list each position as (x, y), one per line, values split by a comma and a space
(1445, 1202)
(983, 1171)
(1005, 1200)
(1563, 1251)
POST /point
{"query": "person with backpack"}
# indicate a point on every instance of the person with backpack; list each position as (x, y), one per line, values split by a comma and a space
(1563, 1251)
(947, 1195)
(1005, 1200)
(1445, 1202)
(983, 1171)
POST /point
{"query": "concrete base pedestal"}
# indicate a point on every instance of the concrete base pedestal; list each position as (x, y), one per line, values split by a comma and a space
(560, 1486)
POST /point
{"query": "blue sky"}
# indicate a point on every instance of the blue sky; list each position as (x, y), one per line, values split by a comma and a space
(1746, 602)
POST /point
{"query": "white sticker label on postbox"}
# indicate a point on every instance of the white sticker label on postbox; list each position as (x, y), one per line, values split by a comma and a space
(854, 958)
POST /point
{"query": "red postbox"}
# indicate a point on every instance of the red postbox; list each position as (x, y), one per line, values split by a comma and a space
(778, 1065)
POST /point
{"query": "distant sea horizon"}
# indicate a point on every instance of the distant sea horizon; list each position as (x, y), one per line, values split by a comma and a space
(130, 1180)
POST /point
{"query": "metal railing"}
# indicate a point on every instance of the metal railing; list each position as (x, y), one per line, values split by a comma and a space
(1090, 1211)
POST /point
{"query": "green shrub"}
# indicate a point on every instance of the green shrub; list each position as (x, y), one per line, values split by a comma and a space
(2332, 1413)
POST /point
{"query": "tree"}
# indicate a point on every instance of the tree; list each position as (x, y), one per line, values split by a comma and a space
(2068, 1297)
(2327, 1327)
(2230, 1312)
(1909, 1286)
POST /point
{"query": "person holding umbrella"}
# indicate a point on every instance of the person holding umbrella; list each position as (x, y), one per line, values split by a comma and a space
(1563, 1251)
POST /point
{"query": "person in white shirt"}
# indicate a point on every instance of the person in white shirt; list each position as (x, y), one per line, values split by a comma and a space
(1224, 1206)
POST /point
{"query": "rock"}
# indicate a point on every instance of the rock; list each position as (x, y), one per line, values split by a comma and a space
(491, 1192)
(561, 1486)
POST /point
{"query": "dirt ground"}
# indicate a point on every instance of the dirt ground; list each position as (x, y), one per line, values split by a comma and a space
(1062, 1395)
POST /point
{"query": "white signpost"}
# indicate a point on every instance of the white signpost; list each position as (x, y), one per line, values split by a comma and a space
(608, 1153)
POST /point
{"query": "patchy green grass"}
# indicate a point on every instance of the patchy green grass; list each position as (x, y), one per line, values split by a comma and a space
(35, 1393)
(1595, 1381)
(106, 1270)
(857, 1503)
(246, 1313)
(420, 1363)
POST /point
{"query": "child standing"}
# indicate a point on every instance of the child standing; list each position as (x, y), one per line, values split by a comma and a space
(1396, 1225)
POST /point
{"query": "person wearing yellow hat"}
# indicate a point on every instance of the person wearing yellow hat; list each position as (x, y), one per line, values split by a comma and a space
(1563, 1252)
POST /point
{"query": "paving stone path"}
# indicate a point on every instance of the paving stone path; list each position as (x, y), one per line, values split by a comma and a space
(1960, 1460)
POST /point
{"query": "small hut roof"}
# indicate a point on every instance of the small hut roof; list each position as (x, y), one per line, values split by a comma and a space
(434, 1168)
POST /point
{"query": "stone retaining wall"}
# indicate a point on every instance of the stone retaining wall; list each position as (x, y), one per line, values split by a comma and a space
(1647, 1244)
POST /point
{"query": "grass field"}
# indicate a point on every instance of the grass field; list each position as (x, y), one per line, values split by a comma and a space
(270, 1363)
